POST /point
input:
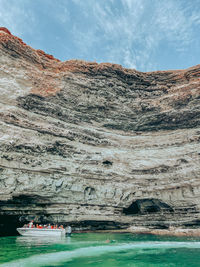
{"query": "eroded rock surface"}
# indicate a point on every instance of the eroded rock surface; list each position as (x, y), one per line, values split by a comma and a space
(96, 145)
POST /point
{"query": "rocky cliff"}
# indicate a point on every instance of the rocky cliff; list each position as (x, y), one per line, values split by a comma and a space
(96, 145)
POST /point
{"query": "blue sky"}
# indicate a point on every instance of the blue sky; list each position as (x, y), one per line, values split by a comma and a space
(142, 34)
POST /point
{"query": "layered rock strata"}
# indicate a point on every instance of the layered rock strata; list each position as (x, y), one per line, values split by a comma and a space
(96, 145)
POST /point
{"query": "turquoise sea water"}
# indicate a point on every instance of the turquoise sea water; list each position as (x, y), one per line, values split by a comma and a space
(100, 250)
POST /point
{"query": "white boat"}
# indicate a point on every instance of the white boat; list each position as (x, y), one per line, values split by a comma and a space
(40, 232)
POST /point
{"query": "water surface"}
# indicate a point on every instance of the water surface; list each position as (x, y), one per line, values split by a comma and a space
(100, 250)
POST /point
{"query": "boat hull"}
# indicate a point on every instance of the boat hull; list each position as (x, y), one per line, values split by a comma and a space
(40, 232)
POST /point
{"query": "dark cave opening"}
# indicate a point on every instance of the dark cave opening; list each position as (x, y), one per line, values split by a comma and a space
(9, 224)
(132, 209)
(143, 206)
(107, 163)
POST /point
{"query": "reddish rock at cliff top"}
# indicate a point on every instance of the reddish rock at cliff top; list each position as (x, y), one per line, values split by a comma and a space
(96, 145)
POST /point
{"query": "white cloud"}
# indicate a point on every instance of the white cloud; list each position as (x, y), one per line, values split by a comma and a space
(15, 17)
(135, 32)
(127, 32)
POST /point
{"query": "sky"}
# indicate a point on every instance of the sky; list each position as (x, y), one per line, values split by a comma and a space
(146, 35)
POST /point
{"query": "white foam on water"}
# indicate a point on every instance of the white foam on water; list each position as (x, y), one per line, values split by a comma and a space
(64, 256)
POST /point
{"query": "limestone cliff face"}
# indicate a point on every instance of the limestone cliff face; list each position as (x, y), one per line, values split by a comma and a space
(96, 144)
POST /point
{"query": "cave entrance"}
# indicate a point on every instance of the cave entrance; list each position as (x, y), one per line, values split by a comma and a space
(143, 206)
(107, 163)
(9, 224)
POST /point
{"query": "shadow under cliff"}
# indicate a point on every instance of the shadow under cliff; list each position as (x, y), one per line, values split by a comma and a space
(9, 224)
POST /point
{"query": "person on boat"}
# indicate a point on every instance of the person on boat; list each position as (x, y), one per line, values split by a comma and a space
(49, 226)
(69, 230)
(30, 225)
